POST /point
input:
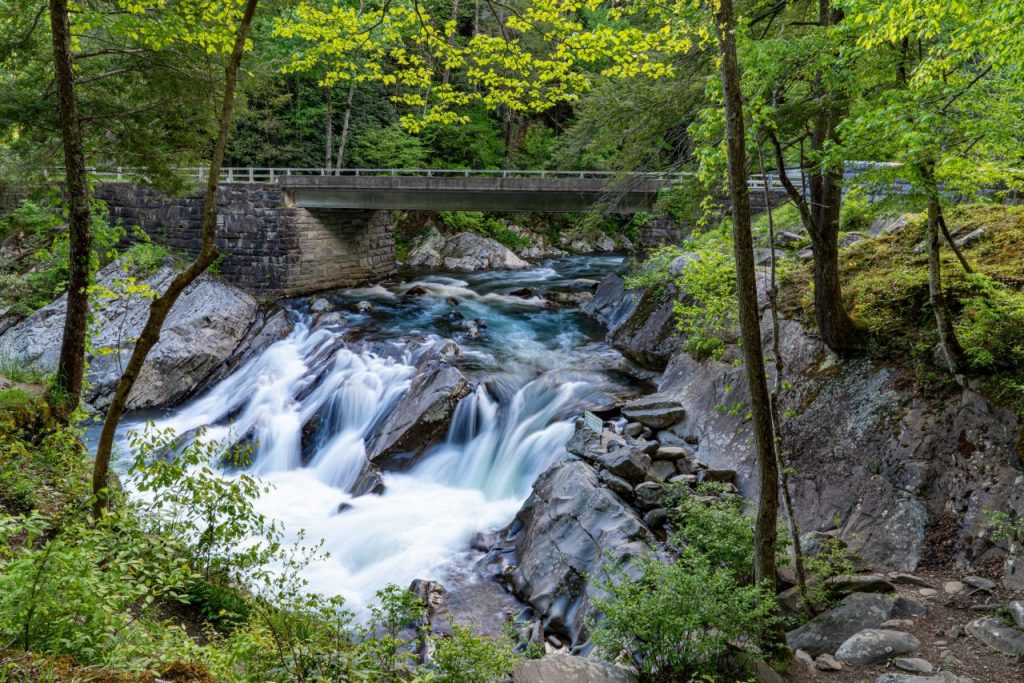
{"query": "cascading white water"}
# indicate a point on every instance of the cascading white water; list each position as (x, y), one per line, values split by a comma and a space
(506, 432)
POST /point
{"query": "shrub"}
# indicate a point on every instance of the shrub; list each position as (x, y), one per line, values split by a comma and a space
(856, 212)
(465, 658)
(18, 370)
(679, 619)
(720, 531)
(481, 224)
(830, 561)
(991, 326)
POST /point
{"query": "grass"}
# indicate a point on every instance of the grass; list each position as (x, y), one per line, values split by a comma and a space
(21, 372)
(885, 288)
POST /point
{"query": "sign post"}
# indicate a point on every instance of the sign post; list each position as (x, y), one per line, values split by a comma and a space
(594, 424)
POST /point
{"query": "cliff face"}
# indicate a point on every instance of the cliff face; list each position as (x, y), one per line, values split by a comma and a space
(902, 477)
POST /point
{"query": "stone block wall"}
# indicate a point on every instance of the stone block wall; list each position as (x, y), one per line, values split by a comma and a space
(269, 248)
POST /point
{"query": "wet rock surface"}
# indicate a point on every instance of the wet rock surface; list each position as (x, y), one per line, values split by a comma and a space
(420, 418)
(208, 324)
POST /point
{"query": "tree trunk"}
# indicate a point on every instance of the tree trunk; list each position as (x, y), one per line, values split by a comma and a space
(329, 132)
(161, 305)
(345, 125)
(765, 530)
(67, 389)
(943, 319)
(776, 394)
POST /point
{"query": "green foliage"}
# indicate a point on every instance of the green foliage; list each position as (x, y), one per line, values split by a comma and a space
(1004, 528)
(679, 619)
(387, 147)
(991, 325)
(466, 658)
(477, 143)
(720, 531)
(856, 212)
(482, 224)
(18, 370)
(831, 560)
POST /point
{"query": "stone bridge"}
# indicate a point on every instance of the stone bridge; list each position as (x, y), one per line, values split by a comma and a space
(287, 232)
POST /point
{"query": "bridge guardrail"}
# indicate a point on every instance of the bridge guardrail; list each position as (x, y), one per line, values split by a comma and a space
(252, 174)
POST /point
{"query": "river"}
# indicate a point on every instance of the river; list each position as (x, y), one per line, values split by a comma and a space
(532, 368)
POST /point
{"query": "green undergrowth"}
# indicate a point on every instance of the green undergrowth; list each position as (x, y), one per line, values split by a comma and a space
(885, 288)
(185, 581)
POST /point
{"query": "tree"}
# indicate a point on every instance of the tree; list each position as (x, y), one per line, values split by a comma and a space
(765, 532)
(67, 386)
(949, 118)
(162, 304)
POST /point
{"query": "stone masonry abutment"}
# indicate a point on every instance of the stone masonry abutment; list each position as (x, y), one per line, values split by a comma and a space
(268, 246)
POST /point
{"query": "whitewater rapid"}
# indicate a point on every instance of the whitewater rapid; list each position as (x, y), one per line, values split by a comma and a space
(532, 371)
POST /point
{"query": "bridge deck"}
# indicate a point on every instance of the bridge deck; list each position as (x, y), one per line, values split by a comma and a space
(461, 189)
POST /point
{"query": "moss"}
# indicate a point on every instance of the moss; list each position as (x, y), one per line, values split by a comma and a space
(885, 288)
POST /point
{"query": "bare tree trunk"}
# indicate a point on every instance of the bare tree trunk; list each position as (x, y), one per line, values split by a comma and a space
(345, 125)
(765, 529)
(329, 132)
(162, 304)
(773, 305)
(67, 388)
(952, 244)
(943, 319)
(446, 76)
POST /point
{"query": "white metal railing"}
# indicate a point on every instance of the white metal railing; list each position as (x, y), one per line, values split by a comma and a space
(252, 174)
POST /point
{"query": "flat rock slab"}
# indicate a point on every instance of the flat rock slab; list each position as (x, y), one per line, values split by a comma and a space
(874, 645)
(655, 411)
(827, 631)
(941, 677)
(569, 669)
(997, 635)
(913, 665)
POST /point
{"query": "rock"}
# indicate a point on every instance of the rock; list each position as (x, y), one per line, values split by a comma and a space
(654, 411)
(997, 635)
(662, 470)
(649, 495)
(804, 657)
(569, 298)
(204, 329)
(523, 292)
(616, 484)
(562, 668)
(905, 579)
(941, 677)
(979, 583)
(914, 665)
(805, 254)
(814, 542)
(954, 632)
(672, 453)
(320, 305)
(970, 238)
(827, 631)
(465, 251)
(433, 596)
(1013, 570)
(640, 325)
(628, 463)
(717, 476)
(928, 592)
(1017, 612)
(949, 660)
(953, 587)
(656, 518)
(874, 645)
(827, 662)
(633, 429)
(898, 624)
(419, 418)
(850, 238)
(415, 291)
(363, 307)
(343, 507)
(785, 238)
(566, 533)
(369, 482)
(858, 583)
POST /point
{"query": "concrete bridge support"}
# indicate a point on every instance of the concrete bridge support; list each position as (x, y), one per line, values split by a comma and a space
(270, 247)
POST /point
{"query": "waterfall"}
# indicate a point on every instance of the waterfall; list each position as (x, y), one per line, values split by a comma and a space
(310, 402)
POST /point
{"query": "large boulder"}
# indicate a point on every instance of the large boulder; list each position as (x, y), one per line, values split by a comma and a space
(642, 325)
(656, 411)
(998, 635)
(565, 533)
(827, 631)
(419, 418)
(465, 251)
(873, 645)
(559, 668)
(204, 328)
